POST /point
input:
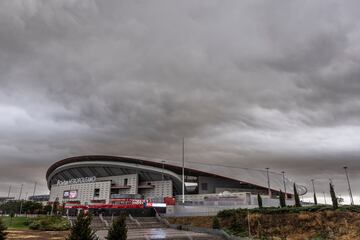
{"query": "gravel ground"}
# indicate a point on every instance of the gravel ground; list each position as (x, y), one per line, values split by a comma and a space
(36, 235)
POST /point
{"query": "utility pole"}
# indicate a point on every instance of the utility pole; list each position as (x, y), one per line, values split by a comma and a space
(348, 181)
(268, 181)
(183, 170)
(283, 175)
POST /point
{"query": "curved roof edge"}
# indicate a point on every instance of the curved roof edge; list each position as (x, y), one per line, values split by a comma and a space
(251, 176)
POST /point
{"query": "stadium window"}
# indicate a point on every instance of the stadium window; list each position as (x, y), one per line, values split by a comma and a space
(97, 192)
(125, 182)
(204, 186)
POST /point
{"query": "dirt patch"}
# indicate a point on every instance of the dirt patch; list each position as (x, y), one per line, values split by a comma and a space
(337, 225)
(205, 222)
(36, 235)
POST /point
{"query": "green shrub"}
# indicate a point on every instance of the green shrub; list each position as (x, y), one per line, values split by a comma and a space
(118, 230)
(229, 213)
(48, 223)
(2, 230)
(81, 229)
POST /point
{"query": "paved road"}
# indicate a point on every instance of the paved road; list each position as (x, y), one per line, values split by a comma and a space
(159, 233)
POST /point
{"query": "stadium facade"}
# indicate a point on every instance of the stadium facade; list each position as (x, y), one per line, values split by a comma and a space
(103, 181)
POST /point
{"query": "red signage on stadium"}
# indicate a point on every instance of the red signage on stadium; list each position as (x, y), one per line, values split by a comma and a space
(106, 206)
(127, 201)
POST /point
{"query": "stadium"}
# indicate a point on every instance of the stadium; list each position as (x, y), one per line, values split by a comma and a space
(131, 182)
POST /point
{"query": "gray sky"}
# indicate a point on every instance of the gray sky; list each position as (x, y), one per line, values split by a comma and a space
(248, 83)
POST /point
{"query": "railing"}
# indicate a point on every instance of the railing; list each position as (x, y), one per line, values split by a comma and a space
(134, 220)
(103, 220)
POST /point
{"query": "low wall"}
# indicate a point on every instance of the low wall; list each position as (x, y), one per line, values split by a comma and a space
(212, 210)
(181, 210)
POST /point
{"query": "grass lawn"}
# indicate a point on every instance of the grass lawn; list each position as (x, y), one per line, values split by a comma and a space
(17, 223)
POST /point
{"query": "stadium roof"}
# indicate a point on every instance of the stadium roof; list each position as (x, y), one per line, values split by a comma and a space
(173, 170)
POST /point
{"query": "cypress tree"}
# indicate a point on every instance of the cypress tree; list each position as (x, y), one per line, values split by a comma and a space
(296, 196)
(118, 230)
(215, 223)
(2, 230)
(315, 199)
(259, 199)
(81, 229)
(282, 199)
(56, 206)
(333, 197)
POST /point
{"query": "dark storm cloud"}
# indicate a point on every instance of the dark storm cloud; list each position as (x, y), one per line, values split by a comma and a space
(250, 84)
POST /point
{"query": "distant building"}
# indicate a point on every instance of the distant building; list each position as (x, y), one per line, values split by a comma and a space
(5, 199)
(40, 198)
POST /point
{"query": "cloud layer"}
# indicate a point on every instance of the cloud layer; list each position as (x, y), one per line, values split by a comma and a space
(248, 84)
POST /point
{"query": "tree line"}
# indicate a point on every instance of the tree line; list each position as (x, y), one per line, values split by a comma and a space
(25, 207)
(282, 198)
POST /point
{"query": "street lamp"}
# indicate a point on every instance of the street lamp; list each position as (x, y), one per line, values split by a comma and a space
(348, 181)
(162, 179)
(21, 188)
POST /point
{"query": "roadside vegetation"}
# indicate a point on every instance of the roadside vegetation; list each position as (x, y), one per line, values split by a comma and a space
(15, 223)
(44, 223)
(118, 229)
(315, 222)
(288, 209)
(29, 207)
(48, 223)
(2, 230)
(318, 222)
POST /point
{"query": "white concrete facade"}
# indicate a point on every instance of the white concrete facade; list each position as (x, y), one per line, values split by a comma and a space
(85, 192)
(113, 187)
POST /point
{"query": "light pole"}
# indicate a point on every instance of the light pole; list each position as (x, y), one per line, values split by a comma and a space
(268, 181)
(9, 191)
(162, 179)
(21, 191)
(162, 173)
(183, 170)
(348, 181)
(34, 188)
(283, 175)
